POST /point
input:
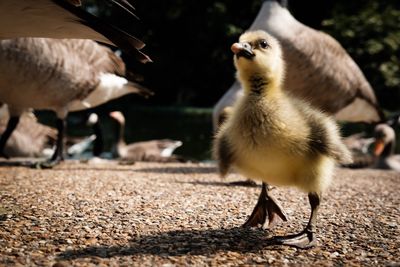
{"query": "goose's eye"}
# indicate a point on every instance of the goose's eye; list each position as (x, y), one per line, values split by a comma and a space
(263, 44)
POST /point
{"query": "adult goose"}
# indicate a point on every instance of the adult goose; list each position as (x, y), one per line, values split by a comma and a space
(64, 19)
(319, 70)
(61, 75)
(30, 138)
(153, 150)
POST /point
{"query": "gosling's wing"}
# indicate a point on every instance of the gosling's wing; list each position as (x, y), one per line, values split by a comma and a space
(62, 19)
(227, 100)
(323, 134)
(223, 153)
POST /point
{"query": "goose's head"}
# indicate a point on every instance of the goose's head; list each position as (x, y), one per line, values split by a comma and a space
(258, 54)
(384, 135)
(118, 116)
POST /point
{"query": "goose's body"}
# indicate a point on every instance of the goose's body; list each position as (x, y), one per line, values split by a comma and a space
(30, 138)
(275, 138)
(319, 70)
(62, 19)
(61, 75)
(153, 150)
(385, 145)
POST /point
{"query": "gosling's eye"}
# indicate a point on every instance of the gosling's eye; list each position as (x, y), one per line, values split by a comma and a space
(263, 44)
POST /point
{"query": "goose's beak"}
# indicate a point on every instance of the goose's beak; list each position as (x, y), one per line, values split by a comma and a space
(242, 50)
(379, 146)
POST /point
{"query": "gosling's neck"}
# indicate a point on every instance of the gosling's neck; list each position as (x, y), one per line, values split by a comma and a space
(260, 85)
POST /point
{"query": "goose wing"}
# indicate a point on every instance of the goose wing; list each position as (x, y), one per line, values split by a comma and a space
(63, 19)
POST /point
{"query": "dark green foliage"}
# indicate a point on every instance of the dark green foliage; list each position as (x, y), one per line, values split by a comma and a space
(370, 32)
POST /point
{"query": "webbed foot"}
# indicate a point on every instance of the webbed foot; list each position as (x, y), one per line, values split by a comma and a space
(266, 206)
(304, 240)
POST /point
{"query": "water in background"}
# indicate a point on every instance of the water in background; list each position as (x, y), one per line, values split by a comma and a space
(192, 126)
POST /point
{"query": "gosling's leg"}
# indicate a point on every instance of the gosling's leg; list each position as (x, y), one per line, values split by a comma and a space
(11, 125)
(266, 206)
(306, 238)
(58, 153)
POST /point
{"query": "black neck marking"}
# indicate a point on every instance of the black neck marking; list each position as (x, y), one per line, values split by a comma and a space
(258, 84)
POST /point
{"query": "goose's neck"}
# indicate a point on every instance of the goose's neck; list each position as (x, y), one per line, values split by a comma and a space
(99, 141)
(120, 134)
(389, 149)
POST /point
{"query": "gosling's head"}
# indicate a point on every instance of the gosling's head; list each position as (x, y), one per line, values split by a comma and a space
(258, 54)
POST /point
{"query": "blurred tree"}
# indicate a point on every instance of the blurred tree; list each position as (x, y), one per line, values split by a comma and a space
(370, 31)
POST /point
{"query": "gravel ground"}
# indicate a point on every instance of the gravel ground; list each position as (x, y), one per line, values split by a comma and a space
(183, 214)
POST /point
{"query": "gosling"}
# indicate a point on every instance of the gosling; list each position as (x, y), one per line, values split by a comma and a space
(273, 137)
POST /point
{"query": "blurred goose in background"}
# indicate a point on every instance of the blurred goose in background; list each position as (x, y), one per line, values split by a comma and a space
(30, 138)
(319, 70)
(385, 144)
(61, 75)
(153, 150)
(64, 19)
(94, 141)
(98, 144)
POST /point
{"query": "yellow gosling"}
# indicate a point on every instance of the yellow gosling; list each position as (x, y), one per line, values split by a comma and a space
(273, 137)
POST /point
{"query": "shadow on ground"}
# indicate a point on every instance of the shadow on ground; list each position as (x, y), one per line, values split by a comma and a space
(176, 243)
(178, 169)
(242, 183)
(11, 163)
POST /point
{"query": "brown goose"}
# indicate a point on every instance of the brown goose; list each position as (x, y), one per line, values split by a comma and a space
(153, 150)
(61, 75)
(385, 145)
(63, 19)
(319, 70)
(30, 138)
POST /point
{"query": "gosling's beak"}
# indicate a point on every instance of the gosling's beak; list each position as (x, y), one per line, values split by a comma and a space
(379, 146)
(242, 50)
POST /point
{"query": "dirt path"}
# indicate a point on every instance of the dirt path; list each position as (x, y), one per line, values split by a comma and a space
(183, 214)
